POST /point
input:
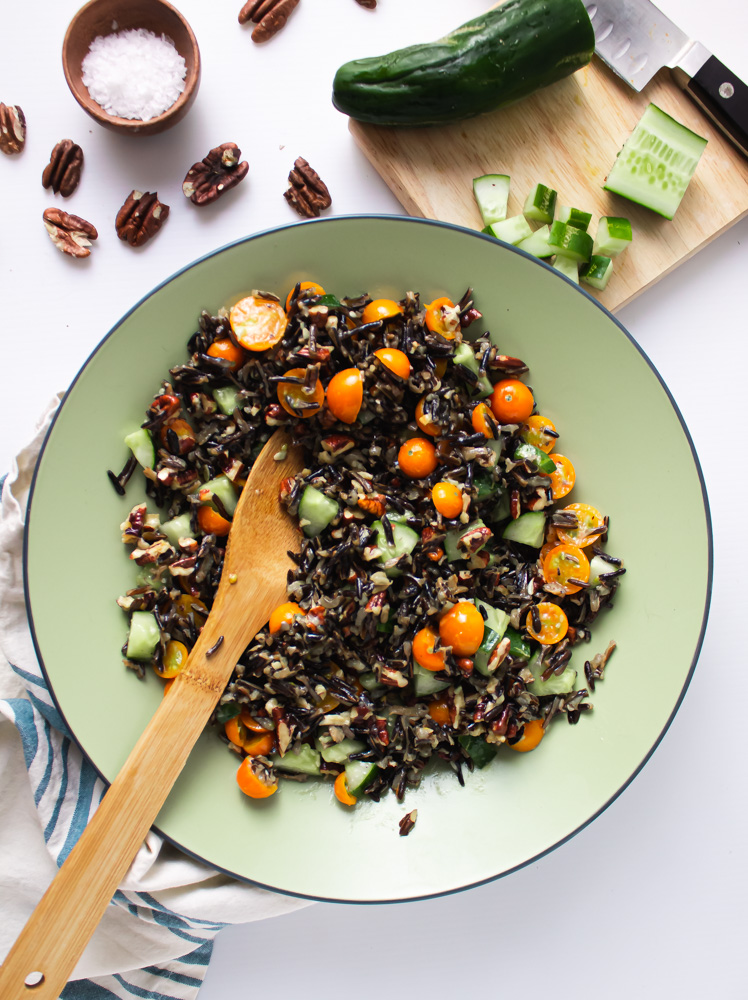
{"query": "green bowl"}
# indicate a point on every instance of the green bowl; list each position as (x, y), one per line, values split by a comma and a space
(634, 459)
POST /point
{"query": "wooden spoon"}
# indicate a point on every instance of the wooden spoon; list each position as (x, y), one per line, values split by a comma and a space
(45, 954)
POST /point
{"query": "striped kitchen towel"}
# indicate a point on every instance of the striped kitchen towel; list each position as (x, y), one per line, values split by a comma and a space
(156, 937)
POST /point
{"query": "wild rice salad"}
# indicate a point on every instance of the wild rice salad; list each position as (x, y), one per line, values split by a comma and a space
(442, 580)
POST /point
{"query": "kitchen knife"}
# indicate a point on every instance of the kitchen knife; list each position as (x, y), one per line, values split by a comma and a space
(636, 40)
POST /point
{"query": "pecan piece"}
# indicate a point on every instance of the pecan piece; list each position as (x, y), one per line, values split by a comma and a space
(12, 129)
(69, 233)
(370, 5)
(269, 16)
(63, 172)
(306, 192)
(215, 174)
(141, 217)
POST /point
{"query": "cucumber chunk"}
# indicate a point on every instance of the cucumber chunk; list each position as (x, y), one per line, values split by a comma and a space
(359, 774)
(537, 244)
(568, 267)
(575, 217)
(426, 681)
(140, 444)
(492, 196)
(527, 529)
(566, 241)
(496, 622)
(597, 273)
(518, 646)
(316, 511)
(227, 398)
(338, 753)
(495, 619)
(561, 684)
(178, 527)
(480, 752)
(656, 163)
(404, 540)
(452, 538)
(143, 637)
(464, 355)
(223, 488)
(305, 761)
(613, 236)
(512, 230)
(540, 204)
(529, 453)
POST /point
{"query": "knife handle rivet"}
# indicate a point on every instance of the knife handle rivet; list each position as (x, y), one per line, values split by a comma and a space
(726, 90)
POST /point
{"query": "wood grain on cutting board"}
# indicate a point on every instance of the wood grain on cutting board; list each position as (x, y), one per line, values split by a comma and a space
(567, 137)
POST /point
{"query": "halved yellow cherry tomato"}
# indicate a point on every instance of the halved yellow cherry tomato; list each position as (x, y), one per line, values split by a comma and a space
(328, 703)
(440, 710)
(282, 615)
(481, 419)
(563, 479)
(535, 432)
(424, 423)
(563, 563)
(296, 399)
(380, 309)
(423, 650)
(447, 498)
(341, 791)
(173, 661)
(258, 323)
(553, 624)
(512, 401)
(256, 779)
(443, 317)
(345, 393)
(393, 359)
(168, 686)
(462, 628)
(310, 287)
(252, 743)
(225, 349)
(532, 733)
(211, 522)
(589, 519)
(250, 723)
(191, 607)
(417, 458)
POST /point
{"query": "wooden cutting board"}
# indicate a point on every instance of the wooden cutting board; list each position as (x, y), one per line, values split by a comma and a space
(567, 137)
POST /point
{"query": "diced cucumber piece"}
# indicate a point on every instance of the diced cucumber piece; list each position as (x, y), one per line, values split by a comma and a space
(512, 230)
(220, 487)
(452, 538)
(575, 217)
(464, 355)
(496, 622)
(303, 761)
(656, 163)
(316, 511)
(143, 637)
(369, 681)
(527, 529)
(492, 196)
(537, 244)
(480, 752)
(568, 267)
(613, 236)
(502, 510)
(518, 646)
(140, 444)
(486, 486)
(540, 205)
(597, 273)
(338, 753)
(178, 527)
(599, 567)
(529, 453)
(495, 619)
(227, 398)
(359, 774)
(426, 682)
(561, 684)
(404, 540)
(566, 241)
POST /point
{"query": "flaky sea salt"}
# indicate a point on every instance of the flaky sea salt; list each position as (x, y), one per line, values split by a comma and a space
(134, 74)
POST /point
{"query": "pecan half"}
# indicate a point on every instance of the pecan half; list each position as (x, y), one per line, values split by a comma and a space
(269, 16)
(306, 193)
(69, 233)
(369, 4)
(63, 172)
(12, 129)
(215, 174)
(141, 217)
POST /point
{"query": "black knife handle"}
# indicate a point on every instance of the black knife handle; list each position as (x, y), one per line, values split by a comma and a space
(724, 97)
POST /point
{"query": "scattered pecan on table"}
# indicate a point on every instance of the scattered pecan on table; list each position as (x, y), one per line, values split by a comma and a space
(63, 172)
(369, 4)
(215, 174)
(141, 217)
(12, 129)
(407, 823)
(269, 16)
(69, 233)
(307, 193)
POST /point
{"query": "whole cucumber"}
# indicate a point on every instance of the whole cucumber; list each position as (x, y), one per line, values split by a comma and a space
(489, 62)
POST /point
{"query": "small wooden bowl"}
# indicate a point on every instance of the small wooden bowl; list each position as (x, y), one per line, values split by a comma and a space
(103, 17)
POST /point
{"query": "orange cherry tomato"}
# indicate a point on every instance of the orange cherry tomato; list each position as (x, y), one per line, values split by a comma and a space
(424, 423)
(380, 309)
(173, 661)
(211, 522)
(252, 743)
(447, 498)
(440, 367)
(536, 431)
(417, 458)
(250, 723)
(440, 711)
(191, 607)
(296, 399)
(512, 401)
(423, 650)
(328, 703)
(225, 349)
(311, 288)
(553, 624)
(396, 361)
(482, 420)
(462, 628)
(345, 393)
(184, 432)
(282, 615)
(443, 317)
(341, 791)
(256, 779)
(563, 479)
(589, 519)
(258, 324)
(563, 563)
(167, 687)
(532, 733)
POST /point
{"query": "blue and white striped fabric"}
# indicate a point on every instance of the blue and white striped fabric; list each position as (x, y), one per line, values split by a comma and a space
(156, 937)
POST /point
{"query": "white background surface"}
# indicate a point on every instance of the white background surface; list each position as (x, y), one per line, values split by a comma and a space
(649, 900)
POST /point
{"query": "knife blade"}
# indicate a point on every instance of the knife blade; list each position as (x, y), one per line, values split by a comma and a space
(636, 40)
